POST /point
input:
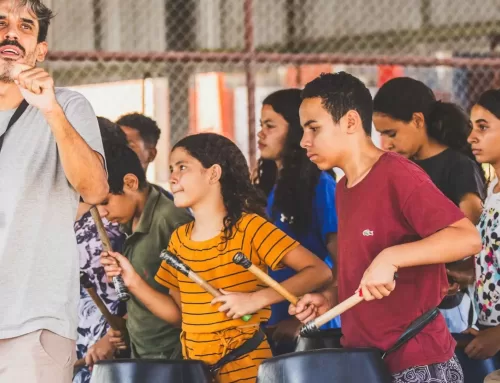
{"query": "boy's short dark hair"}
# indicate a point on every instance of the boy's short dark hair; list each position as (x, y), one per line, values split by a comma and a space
(111, 134)
(43, 15)
(341, 92)
(122, 160)
(147, 127)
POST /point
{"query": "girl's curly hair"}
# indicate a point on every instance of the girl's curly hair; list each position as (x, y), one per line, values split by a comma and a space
(238, 194)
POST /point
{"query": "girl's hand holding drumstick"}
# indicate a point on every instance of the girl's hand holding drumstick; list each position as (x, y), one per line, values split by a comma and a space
(236, 305)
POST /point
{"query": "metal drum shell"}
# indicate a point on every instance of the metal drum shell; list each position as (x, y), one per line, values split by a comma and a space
(326, 365)
(150, 371)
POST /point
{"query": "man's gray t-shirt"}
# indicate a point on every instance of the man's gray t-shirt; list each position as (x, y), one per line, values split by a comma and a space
(39, 269)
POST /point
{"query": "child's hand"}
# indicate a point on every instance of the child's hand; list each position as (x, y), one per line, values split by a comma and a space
(103, 349)
(485, 344)
(236, 305)
(463, 277)
(117, 339)
(310, 306)
(116, 264)
(378, 280)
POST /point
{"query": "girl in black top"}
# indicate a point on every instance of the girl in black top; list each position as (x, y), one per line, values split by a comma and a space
(434, 134)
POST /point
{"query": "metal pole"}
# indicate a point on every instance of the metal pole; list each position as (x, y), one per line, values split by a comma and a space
(250, 80)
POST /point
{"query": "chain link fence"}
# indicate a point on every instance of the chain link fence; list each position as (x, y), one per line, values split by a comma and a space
(199, 65)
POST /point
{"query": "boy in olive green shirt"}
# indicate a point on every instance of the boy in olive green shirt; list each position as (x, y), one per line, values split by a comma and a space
(148, 218)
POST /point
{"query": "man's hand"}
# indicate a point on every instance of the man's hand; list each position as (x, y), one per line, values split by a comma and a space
(485, 344)
(236, 305)
(103, 349)
(36, 86)
(310, 306)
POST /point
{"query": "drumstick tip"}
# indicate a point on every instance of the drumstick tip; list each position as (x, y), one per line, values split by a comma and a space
(242, 260)
(175, 262)
(309, 328)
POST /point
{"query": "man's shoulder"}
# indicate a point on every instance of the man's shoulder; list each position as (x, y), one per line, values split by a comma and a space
(65, 96)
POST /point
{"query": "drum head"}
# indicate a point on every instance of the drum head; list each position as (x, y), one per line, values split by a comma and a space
(332, 366)
(150, 371)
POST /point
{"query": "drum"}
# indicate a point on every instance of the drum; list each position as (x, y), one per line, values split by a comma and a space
(322, 339)
(150, 371)
(494, 377)
(475, 370)
(332, 366)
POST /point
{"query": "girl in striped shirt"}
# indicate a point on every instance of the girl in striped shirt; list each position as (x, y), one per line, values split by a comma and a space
(209, 174)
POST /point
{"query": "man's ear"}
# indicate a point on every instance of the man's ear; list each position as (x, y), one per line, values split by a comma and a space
(215, 172)
(41, 51)
(130, 182)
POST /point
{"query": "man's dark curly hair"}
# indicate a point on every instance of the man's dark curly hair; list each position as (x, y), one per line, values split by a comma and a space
(147, 127)
(43, 15)
(297, 180)
(238, 193)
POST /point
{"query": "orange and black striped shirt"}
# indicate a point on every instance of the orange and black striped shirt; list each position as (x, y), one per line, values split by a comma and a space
(262, 242)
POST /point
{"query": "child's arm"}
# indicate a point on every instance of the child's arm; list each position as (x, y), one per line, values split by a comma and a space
(312, 273)
(453, 243)
(161, 305)
(472, 207)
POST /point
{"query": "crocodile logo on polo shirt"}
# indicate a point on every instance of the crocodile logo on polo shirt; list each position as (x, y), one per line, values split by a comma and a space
(367, 233)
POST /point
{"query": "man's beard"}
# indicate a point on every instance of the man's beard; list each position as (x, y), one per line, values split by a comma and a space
(6, 71)
(7, 65)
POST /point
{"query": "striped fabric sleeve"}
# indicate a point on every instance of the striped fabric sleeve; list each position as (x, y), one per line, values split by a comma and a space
(167, 275)
(270, 243)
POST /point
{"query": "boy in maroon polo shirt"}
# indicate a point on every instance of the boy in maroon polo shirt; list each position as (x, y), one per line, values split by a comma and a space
(391, 218)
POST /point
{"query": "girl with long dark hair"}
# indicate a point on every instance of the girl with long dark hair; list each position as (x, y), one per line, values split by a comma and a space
(300, 199)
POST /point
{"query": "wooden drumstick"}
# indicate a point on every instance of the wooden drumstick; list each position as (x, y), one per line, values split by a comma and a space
(121, 289)
(313, 326)
(113, 321)
(180, 266)
(242, 260)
